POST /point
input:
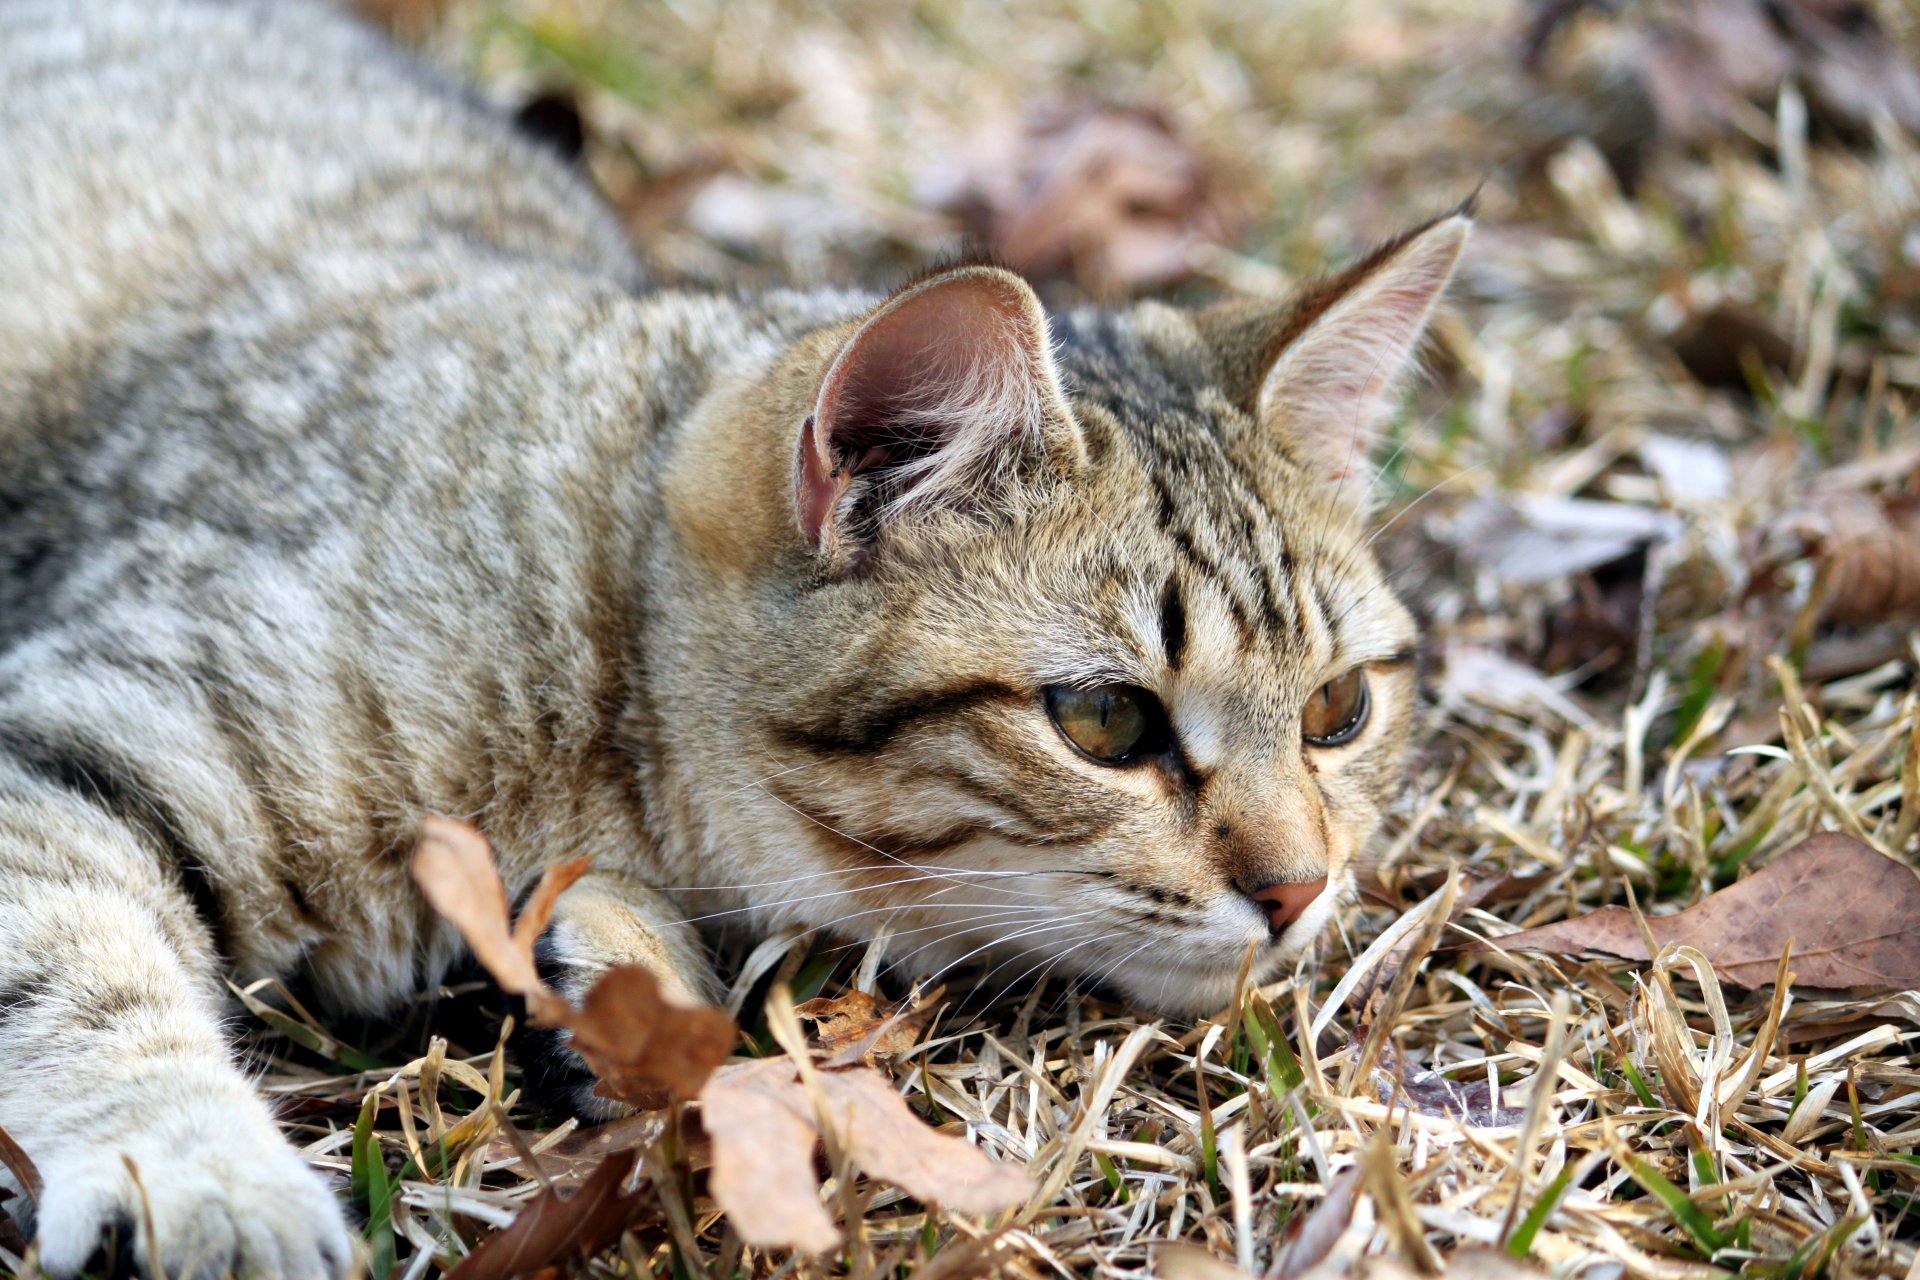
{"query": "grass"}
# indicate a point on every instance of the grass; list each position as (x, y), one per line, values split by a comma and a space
(1666, 1128)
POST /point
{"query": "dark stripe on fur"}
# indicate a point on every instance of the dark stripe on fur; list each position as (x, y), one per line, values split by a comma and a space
(881, 726)
(1173, 623)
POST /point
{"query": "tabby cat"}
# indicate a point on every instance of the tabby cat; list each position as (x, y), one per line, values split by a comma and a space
(350, 471)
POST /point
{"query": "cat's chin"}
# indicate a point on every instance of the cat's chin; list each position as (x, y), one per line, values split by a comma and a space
(1197, 989)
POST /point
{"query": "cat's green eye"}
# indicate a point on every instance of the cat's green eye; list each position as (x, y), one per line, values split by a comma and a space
(1112, 723)
(1337, 711)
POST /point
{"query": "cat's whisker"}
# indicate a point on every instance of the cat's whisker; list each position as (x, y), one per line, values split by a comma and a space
(1353, 553)
(962, 872)
(855, 839)
(1424, 494)
(1100, 975)
(1053, 926)
(1047, 964)
(841, 893)
(944, 926)
(1078, 915)
(763, 781)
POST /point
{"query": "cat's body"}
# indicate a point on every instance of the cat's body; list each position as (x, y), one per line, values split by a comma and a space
(348, 472)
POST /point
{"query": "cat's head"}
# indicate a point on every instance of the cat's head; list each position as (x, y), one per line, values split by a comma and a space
(1056, 638)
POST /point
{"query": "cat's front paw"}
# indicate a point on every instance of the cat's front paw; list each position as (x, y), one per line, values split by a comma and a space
(224, 1197)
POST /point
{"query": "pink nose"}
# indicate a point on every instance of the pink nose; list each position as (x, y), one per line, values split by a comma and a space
(1287, 900)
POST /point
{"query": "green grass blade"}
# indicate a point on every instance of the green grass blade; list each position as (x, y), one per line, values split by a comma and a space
(1691, 1217)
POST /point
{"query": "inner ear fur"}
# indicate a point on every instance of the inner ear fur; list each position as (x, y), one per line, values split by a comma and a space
(1319, 371)
(944, 393)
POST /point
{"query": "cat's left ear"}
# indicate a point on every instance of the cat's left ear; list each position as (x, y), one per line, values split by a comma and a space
(945, 394)
(1319, 373)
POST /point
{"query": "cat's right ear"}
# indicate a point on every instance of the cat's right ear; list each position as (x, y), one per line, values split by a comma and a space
(945, 394)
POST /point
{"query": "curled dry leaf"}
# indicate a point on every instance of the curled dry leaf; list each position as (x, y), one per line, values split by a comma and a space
(1868, 550)
(857, 1028)
(645, 1048)
(1852, 915)
(21, 1166)
(561, 1223)
(763, 1172)
(453, 865)
(1111, 196)
(763, 1125)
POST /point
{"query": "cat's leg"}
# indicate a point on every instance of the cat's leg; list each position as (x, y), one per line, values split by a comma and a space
(115, 1075)
(603, 920)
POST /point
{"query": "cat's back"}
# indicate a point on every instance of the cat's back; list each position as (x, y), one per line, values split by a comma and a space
(152, 148)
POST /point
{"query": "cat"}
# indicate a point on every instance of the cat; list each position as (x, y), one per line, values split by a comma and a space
(351, 470)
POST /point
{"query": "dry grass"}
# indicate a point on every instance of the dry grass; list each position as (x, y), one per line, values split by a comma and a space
(1676, 1128)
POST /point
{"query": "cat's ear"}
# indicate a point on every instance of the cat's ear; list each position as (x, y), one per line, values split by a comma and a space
(1320, 373)
(947, 391)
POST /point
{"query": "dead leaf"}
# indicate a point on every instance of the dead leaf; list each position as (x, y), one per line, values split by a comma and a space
(857, 1028)
(1471, 1102)
(560, 1224)
(764, 1126)
(21, 1166)
(1111, 196)
(1868, 550)
(645, 1047)
(1851, 913)
(453, 865)
(763, 1174)
(1311, 1236)
(1532, 539)
(892, 1144)
(1705, 67)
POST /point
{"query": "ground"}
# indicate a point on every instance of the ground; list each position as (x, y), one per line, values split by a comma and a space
(1651, 502)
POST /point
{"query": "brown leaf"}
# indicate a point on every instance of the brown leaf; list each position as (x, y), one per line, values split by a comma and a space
(1868, 549)
(764, 1125)
(560, 1224)
(1704, 64)
(538, 913)
(1110, 196)
(1311, 1236)
(857, 1028)
(1851, 913)
(453, 865)
(891, 1143)
(21, 1165)
(645, 1047)
(763, 1172)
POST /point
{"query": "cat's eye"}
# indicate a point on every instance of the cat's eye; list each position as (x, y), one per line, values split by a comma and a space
(1112, 723)
(1337, 711)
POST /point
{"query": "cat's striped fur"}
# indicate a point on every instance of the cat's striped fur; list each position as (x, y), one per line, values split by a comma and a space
(348, 471)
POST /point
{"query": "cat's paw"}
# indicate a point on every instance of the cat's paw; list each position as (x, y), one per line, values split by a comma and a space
(555, 1078)
(229, 1198)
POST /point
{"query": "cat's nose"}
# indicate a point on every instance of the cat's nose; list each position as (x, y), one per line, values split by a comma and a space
(1285, 901)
